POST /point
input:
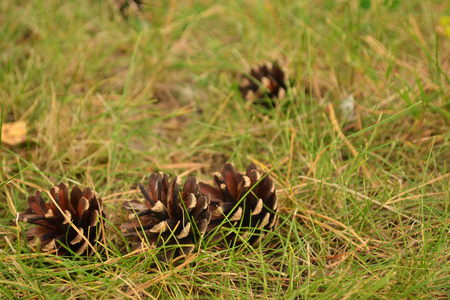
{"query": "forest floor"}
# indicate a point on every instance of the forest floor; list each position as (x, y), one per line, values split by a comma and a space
(359, 148)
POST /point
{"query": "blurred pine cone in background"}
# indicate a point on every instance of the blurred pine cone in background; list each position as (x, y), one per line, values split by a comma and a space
(54, 232)
(264, 84)
(246, 202)
(127, 7)
(169, 216)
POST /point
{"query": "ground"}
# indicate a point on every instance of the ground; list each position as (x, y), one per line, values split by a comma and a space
(359, 148)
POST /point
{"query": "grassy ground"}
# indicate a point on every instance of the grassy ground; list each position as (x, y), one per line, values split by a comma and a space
(365, 210)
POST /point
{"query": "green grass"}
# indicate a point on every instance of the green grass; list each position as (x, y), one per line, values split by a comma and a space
(365, 213)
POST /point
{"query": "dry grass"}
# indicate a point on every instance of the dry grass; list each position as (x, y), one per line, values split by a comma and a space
(108, 100)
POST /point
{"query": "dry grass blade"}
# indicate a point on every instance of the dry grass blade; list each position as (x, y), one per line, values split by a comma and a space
(361, 196)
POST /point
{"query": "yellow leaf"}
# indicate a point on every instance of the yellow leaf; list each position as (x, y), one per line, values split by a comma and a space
(14, 133)
(444, 26)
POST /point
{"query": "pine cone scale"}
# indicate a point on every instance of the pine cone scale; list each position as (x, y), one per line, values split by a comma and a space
(75, 196)
(49, 246)
(231, 181)
(78, 238)
(36, 204)
(83, 205)
(202, 225)
(36, 231)
(257, 208)
(185, 231)
(214, 193)
(135, 205)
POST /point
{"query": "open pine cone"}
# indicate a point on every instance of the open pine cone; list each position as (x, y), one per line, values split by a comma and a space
(255, 214)
(169, 215)
(264, 81)
(127, 7)
(54, 231)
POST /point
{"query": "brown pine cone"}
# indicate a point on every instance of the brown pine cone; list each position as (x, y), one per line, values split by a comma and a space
(128, 7)
(169, 216)
(243, 201)
(264, 81)
(55, 232)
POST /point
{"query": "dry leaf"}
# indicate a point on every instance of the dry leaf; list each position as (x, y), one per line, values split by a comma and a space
(14, 133)
(444, 26)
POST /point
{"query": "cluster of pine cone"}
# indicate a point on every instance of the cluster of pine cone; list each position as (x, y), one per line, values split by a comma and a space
(174, 217)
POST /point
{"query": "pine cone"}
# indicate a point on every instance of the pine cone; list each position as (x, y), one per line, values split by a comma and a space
(232, 204)
(265, 81)
(169, 216)
(55, 233)
(128, 7)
